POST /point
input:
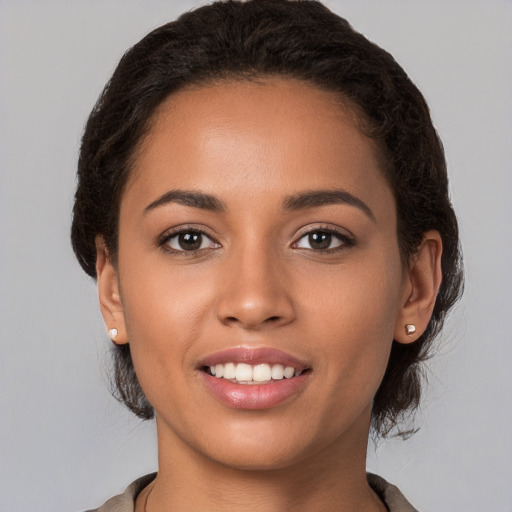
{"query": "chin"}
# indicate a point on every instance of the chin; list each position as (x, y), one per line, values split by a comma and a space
(263, 449)
(259, 460)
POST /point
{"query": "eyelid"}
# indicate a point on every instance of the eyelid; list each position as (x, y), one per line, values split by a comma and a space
(347, 238)
(164, 238)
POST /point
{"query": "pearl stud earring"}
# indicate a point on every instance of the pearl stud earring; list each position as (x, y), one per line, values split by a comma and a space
(113, 334)
(410, 329)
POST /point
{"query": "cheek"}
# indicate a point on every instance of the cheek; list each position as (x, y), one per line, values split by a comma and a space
(356, 312)
(157, 293)
(165, 312)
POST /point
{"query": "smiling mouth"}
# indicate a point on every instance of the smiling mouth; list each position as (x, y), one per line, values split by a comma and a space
(243, 373)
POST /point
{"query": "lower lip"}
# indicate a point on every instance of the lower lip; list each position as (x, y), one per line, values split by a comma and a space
(255, 396)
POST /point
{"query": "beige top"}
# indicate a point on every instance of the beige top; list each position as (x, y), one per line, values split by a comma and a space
(389, 494)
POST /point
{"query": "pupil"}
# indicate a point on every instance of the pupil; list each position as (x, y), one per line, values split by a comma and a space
(190, 241)
(320, 240)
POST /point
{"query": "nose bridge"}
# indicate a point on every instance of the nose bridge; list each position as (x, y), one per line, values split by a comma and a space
(254, 291)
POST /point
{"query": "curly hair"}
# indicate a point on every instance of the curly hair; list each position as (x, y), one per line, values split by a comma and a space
(302, 39)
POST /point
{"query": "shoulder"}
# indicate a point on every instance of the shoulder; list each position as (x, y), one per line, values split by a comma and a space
(389, 494)
(126, 502)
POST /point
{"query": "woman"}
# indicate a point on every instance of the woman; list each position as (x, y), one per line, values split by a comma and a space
(263, 201)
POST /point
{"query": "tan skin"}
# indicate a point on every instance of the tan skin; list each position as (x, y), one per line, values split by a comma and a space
(259, 279)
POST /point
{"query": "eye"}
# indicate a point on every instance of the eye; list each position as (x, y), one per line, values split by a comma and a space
(323, 240)
(189, 240)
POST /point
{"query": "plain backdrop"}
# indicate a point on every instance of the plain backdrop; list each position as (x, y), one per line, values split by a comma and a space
(65, 444)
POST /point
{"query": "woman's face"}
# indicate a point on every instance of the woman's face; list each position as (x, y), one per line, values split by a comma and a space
(257, 234)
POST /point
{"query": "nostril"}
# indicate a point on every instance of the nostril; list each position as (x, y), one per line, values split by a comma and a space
(270, 320)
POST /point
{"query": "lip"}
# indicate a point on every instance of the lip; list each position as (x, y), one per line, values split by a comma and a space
(254, 396)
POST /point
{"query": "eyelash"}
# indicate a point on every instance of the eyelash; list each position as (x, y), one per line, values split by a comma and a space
(345, 240)
(169, 235)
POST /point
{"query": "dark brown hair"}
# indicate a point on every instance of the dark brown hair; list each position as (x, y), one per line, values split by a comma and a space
(298, 39)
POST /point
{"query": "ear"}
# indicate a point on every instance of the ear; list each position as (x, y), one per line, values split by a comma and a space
(108, 293)
(421, 285)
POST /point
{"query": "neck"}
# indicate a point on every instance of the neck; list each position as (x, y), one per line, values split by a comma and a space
(331, 479)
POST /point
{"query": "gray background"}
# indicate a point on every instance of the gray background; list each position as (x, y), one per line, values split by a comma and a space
(64, 443)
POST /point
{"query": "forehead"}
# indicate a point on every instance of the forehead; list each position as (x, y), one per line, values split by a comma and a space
(270, 135)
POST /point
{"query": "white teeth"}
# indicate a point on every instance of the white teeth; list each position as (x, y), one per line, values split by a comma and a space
(246, 373)
(229, 371)
(261, 373)
(243, 372)
(289, 372)
(277, 372)
(219, 370)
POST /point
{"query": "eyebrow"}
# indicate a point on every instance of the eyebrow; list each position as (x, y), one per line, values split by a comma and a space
(188, 198)
(304, 200)
(316, 198)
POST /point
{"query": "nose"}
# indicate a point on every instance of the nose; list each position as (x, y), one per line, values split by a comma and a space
(255, 292)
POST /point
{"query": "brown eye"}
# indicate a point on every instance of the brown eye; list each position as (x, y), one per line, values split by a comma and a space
(320, 240)
(189, 241)
(323, 240)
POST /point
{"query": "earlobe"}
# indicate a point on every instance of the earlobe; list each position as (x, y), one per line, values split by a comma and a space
(422, 284)
(108, 294)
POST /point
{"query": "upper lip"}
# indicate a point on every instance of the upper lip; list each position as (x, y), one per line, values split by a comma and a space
(253, 356)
